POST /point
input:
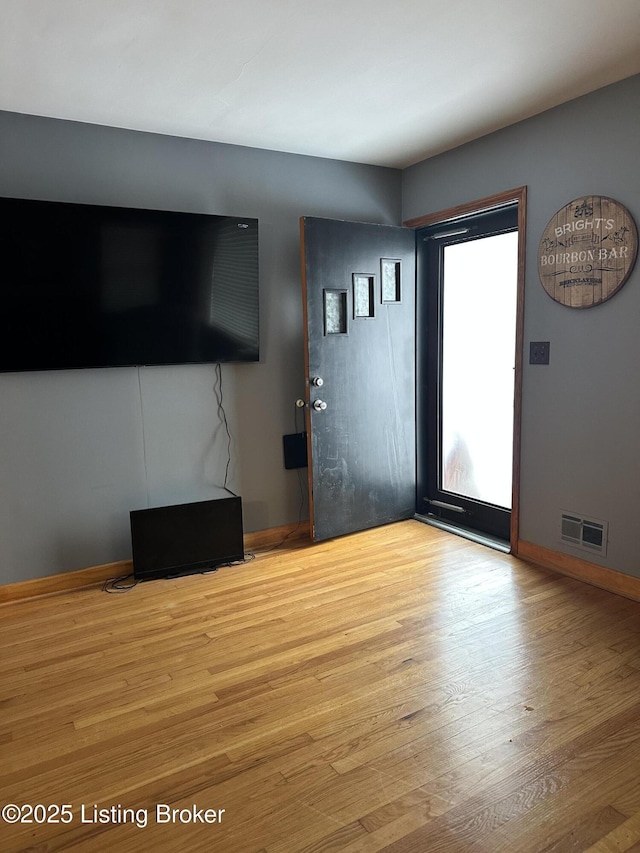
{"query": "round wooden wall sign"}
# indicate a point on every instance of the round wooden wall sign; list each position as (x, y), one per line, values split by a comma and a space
(587, 251)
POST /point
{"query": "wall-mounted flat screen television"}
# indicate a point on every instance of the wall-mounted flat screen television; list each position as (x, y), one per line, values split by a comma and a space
(169, 541)
(91, 286)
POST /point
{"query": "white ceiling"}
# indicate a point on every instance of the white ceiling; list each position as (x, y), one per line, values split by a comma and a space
(387, 83)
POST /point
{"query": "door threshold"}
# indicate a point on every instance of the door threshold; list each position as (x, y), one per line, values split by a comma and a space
(466, 533)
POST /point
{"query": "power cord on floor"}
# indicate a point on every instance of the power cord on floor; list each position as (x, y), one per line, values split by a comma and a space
(115, 585)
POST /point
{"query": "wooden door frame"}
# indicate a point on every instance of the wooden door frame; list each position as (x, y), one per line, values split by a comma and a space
(519, 196)
(307, 389)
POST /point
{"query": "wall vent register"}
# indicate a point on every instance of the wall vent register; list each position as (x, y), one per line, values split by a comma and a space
(587, 533)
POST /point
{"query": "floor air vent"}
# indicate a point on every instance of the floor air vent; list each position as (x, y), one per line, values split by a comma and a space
(588, 533)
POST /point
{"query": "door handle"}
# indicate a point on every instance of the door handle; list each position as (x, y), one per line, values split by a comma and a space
(319, 405)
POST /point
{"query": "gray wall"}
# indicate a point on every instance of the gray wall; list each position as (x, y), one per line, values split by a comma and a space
(79, 449)
(581, 413)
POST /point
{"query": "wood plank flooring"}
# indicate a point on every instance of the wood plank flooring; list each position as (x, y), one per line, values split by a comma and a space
(399, 690)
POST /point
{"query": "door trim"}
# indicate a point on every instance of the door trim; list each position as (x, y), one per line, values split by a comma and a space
(519, 196)
(307, 390)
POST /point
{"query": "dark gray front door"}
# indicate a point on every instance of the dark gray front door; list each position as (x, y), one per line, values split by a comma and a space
(359, 298)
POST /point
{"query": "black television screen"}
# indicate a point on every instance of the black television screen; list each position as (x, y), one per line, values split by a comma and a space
(169, 541)
(91, 286)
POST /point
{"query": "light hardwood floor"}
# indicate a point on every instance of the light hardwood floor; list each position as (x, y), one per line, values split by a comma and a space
(401, 689)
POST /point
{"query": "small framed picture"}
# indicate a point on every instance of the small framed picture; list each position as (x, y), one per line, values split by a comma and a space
(335, 311)
(364, 286)
(390, 278)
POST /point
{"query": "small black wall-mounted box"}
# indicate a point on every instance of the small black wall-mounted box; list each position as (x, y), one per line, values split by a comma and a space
(295, 450)
(538, 352)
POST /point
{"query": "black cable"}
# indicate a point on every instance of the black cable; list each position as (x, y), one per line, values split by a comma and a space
(217, 390)
(248, 557)
(114, 585)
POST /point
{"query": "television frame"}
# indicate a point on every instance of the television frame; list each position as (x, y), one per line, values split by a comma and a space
(96, 286)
